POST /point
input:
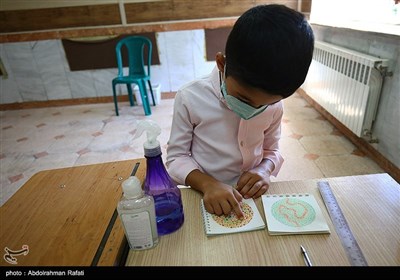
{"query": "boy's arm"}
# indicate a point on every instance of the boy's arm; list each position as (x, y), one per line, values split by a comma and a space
(179, 162)
(271, 141)
(218, 197)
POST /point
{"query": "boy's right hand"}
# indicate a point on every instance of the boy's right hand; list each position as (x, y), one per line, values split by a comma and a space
(222, 199)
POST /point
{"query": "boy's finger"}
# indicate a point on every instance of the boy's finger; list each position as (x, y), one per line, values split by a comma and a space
(236, 205)
(237, 195)
(238, 211)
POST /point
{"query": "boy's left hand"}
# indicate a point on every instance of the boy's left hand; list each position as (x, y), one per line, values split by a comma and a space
(254, 183)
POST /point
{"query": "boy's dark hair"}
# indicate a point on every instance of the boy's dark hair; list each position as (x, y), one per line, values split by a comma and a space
(270, 47)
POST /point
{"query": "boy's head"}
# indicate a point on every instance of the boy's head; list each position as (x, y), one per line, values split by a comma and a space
(270, 47)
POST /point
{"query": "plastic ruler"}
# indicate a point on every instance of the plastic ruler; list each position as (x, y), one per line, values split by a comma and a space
(347, 238)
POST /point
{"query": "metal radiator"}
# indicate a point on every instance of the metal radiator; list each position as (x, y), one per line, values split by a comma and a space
(347, 84)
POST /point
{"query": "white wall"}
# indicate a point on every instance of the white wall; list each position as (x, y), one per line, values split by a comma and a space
(39, 71)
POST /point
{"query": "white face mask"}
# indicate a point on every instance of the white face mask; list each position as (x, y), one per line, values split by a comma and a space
(243, 110)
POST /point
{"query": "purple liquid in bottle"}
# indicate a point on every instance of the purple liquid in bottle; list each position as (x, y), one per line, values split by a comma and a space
(166, 194)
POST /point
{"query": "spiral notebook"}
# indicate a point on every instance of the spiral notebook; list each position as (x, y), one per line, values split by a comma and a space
(252, 220)
(293, 214)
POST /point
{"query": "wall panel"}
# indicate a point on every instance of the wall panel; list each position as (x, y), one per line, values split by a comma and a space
(56, 18)
(216, 41)
(107, 15)
(100, 54)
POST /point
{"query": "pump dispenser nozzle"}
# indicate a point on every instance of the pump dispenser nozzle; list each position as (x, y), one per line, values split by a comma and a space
(151, 146)
(132, 187)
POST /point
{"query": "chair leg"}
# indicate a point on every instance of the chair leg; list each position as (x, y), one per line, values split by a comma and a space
(145, 99)
(130, 94)
(115, 100)
(151, 91)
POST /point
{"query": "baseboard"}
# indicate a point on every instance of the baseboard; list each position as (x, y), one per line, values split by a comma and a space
(70, 102)
(360, 143)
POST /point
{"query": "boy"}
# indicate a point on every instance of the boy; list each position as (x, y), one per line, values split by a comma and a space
(226, 126)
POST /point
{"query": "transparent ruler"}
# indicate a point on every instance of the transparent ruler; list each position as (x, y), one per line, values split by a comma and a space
(342, 228)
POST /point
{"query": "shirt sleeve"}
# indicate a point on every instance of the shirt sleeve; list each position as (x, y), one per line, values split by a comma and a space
(271, 140)
(179, 162)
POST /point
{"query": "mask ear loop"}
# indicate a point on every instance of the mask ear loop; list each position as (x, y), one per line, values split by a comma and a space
(220, 79)
(225, 70)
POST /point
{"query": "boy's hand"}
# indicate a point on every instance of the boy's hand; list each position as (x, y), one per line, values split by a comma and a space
(223, 199)
(253, 183)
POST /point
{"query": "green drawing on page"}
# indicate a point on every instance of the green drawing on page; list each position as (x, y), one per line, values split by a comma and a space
(293, 212)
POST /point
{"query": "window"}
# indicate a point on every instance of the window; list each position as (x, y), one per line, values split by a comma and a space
(381, 16)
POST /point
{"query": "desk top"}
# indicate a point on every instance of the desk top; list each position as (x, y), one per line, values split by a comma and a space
(64, 216)
(370, 203)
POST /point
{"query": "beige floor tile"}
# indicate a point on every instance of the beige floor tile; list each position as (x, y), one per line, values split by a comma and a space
(327, 145)
(301, 113)
(16, 130)
(54, 160)
(8, 192)
(298, 169)
(15, 164)
(291, 148)
(346, 165)
(285, 130)
(310, 127)
(294, 100)
(72, 143)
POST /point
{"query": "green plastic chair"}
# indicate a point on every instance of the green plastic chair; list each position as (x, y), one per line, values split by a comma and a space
(135, 46)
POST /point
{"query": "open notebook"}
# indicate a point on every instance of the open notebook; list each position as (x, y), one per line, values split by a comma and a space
(293, 214)
(252, 220)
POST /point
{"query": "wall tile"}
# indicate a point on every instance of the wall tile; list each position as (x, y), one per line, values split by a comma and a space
(180, 58)
(201, 65)
(25, 71)
(49, 62)
(159, 73)
(82, 84)
(8, 87)
(103, 81)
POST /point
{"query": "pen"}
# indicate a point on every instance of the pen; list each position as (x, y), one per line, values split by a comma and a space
(305, 255)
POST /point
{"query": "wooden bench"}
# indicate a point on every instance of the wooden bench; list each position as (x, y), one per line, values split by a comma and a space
(67, 217)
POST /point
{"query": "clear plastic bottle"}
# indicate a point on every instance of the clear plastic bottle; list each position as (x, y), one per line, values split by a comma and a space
(137, 212)
(158, 183)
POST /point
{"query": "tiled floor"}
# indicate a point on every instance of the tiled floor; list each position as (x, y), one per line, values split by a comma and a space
(38, 139)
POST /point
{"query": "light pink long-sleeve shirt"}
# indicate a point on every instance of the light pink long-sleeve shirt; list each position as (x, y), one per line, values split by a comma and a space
(209, 136)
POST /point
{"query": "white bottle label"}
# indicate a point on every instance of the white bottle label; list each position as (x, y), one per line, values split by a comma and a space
(138, 230)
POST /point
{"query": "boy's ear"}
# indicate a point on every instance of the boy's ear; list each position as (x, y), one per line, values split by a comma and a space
(220, 60)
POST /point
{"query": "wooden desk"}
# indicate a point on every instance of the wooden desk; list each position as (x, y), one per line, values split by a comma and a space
(65, 216)
(370, 203)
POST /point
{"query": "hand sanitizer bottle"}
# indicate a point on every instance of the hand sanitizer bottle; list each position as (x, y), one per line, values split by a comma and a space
(137, 212)
(158, 183)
